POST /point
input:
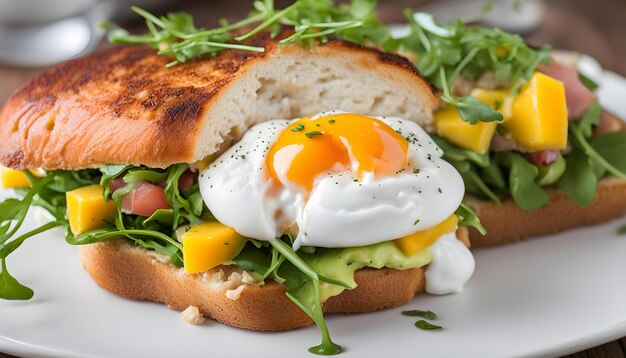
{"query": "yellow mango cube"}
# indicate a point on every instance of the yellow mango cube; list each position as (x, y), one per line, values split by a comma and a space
(539, 114)
(475, 137)
(414, 243)
(210, 244)
(10, 178)
(87, 209)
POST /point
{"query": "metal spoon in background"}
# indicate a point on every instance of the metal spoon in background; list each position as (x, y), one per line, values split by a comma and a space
(42, 45)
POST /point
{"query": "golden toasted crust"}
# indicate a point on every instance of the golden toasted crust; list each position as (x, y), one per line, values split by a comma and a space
(129, 271)
(508, 223)
(122, 105)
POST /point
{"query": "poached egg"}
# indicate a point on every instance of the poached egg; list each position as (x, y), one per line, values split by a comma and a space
(332, 180)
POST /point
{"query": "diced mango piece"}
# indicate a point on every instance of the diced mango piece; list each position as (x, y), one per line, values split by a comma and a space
(475, 137)
(87, 209)
(10, 178)
(210, 244)
(414, 243)
(539, 114)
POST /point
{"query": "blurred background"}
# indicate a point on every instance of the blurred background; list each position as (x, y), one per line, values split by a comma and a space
(37, 33)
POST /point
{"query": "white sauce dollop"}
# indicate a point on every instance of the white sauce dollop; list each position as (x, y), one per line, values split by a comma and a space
(452, 266)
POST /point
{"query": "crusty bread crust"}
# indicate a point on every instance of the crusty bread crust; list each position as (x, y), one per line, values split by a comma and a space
(122, 105)
(132, 272)
(508, 223)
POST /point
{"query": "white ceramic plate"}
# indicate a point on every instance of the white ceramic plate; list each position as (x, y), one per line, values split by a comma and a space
(544, 297)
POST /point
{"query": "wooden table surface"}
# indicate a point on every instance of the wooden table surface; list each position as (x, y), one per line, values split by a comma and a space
(597, 28)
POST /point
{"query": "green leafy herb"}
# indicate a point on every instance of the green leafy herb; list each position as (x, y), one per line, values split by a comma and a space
(175, 35)
(590, 119)
(313, 134)
(467, 217)
(552, 173)
(10, 288)
(588, 82)
(47, 192)
(427, 326)
(612, 148)
(447, 51)
(418, 313)
(327, 347)
(579, 180)
(527, 194)
(298, 128)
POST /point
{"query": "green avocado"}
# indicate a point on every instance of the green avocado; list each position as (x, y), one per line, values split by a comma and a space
(340, 264)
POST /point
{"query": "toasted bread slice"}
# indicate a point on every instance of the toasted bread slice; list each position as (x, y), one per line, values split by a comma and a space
(123, 106)
(228, 295)
(508, 223)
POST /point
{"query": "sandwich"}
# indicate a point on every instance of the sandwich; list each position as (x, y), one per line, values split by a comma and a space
(261, 188)
(265, 175)
(537, 152)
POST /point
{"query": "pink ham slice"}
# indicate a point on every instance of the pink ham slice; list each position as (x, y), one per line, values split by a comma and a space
(144, 200)
(543, 157)
(577, 96)
(186, 180)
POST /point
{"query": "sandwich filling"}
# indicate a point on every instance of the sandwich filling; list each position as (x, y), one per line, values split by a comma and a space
(305, 202)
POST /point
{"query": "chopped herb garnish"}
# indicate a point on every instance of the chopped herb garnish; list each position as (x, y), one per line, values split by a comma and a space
(331, 121)
(439, 190)
(427, 326)
(298, 128)
(418, 313)
(415, 223)
(313, 134)
(416, 171)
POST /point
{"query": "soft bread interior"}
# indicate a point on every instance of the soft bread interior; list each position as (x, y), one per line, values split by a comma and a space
(296, 83)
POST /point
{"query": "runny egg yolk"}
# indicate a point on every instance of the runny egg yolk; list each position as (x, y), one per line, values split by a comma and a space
(311, 147)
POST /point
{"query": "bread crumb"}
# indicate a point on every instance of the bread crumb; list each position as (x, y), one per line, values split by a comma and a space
(192, 315)
(234, 294)
(246, 278)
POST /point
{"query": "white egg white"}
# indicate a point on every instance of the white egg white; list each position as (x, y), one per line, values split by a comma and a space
(341, 211)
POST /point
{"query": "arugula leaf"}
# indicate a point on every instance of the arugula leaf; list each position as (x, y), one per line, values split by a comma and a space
(527, 194)
(552, 173)
(7, 248)
(473, 110)
(167, 246)
(454, 153)
(418, 313)
(588, 82)
(427, 326)
(492, 175)
(109, 172)
(579, 180)
(10, 288)
(590, 118)
(612, 148)
(9, 209)
(467, 217)
(606, 143)
(315, 310)
(252, 258)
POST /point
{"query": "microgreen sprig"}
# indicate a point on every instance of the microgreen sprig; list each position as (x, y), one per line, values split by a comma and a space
(175, 34)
